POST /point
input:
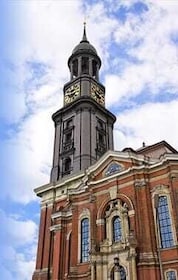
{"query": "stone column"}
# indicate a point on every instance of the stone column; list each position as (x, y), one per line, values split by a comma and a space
(99, 270)
(71, 71)
(90, 67)
(79, 66)
(105, 270)
(133, 267)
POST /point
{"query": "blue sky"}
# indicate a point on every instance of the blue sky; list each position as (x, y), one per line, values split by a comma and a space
(138, 44)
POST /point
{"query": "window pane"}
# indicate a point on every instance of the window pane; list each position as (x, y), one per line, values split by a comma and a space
(117, 234)
(85, 240)
(171, 275)
(166, 235)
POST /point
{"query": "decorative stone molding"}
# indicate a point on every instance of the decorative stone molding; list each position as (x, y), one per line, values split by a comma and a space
(113, 192)
(113, 168)
(100, 222)
(160, 189)
(85, 214)
(61, 214)
(132, 239)
(92, 198)
(148, 255)
(139, 183)
(48, 204)
(56, 228)
(80, 189)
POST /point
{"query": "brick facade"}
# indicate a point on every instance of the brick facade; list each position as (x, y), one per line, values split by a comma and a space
(88, 195)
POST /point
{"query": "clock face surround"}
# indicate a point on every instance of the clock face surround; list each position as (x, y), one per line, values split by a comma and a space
(71, 93)
(97, 94)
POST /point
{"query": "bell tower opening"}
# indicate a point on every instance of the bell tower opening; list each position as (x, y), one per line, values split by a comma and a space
(67, 166)
(94, 69)
(85, 65)
(74, 69)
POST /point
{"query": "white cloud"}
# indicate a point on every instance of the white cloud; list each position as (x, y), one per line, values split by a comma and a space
(17, 233)
(30, 155)
(46, 33)
(42, 39)
(149, 40)
(15, 265)
(149, 123)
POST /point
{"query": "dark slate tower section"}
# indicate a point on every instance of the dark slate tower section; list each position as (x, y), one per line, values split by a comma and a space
(83, 127)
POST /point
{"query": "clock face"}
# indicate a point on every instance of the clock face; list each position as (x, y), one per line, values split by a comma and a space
(97, 93)
(71, 93)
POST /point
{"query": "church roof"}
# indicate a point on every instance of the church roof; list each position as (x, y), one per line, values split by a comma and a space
(84, 45)
(153, 151)
(157, 146)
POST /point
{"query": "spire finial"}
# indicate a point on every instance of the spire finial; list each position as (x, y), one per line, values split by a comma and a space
(84, 39)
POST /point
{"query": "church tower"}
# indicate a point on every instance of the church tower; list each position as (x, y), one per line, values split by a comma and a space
(83, 127)
(105, 214)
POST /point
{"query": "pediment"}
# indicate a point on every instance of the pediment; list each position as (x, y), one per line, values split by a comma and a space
(156, 150)
(110, 164)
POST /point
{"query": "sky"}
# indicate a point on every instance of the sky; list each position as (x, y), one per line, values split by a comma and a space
(137, 42)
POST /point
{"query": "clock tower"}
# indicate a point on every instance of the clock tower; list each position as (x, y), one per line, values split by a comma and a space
(83, 127)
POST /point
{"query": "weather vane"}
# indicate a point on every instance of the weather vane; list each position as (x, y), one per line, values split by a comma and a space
(85, 19)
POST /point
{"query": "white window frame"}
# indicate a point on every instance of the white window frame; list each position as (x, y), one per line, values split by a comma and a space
(124, 224)
(84, 215)
(163, 190)
(169, 270)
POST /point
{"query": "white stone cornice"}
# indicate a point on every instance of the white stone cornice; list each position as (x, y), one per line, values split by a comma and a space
(61, 214)
(43, 188)
(168, 156)
(139, 183)
(148, 255)
(47, 203)
(56, 228)
(121, 156)
(73, 179)
(76, 184)
(69, 179)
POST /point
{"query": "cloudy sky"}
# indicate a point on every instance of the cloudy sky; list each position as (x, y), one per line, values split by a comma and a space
(138, 44)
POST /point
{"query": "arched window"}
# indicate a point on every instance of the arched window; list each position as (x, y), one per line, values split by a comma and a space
(117, 231)
(117, 222)
(75, 68)
(85, 240)
(94, 69)
(67, 166)
(164, 220)
(69, 123)
(171, 275)
(85, 65)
